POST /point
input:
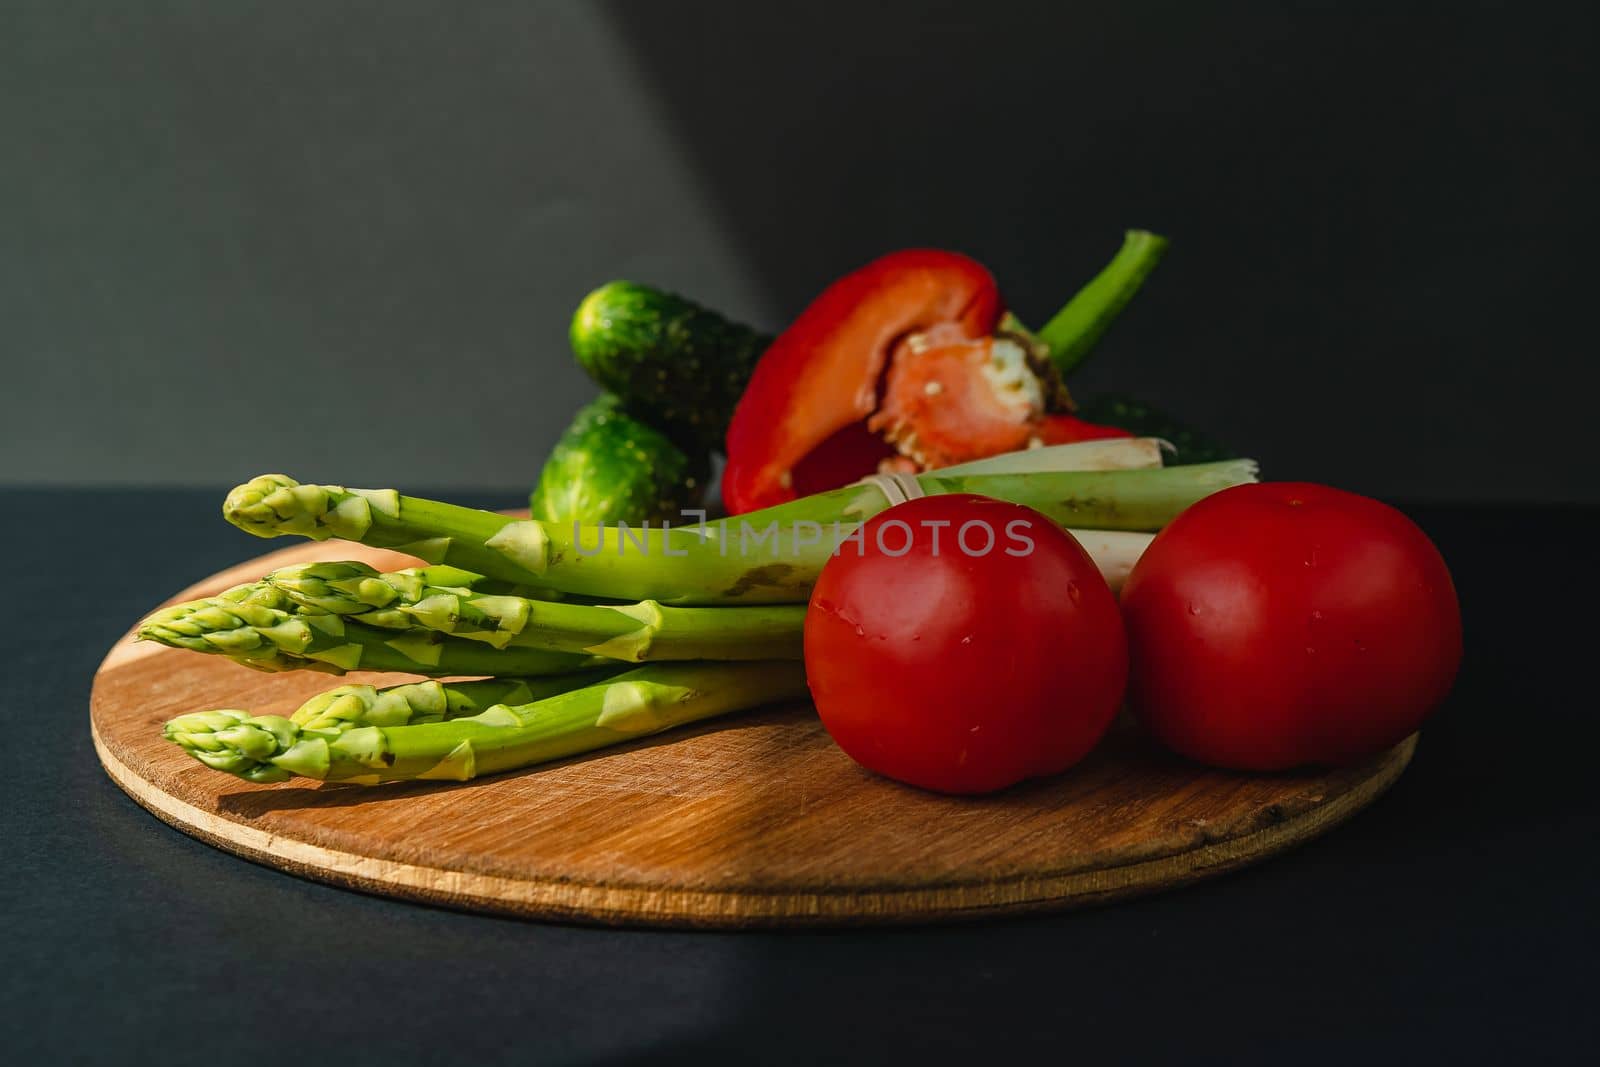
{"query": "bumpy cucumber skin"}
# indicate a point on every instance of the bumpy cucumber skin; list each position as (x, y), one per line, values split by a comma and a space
(1141, 419)
(611, 467)
(679, 365)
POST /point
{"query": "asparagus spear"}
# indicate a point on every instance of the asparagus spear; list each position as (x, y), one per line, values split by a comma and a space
(769, 556)
(632, 632)
(270, 748)
(262, 629)
(413, 703)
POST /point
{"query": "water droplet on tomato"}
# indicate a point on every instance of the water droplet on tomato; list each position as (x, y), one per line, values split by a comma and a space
(1194, 609)
(967, 640)
(1073, 592)
(861, 631)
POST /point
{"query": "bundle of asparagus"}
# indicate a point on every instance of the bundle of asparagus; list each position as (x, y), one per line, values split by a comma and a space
(463, 744)
(555, 620)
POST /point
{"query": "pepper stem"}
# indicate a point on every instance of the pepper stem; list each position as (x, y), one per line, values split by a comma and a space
(1074, 330)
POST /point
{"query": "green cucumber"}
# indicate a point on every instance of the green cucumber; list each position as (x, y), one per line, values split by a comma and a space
(1142, 420)
(676, 364)
(611, 467)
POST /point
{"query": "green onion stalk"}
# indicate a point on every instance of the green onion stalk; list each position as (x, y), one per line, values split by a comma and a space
(502, 737)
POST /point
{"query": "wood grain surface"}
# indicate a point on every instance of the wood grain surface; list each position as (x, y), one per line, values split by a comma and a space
(754, 820)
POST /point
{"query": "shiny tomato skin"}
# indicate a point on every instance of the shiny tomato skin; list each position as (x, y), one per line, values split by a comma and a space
(1287, 624)
(964, 673)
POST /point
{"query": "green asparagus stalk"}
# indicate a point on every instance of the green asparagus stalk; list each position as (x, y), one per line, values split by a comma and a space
(769, 556)
(270, 748)
(258, 629)
(633, 632)
(459, 577)
(414, 703)
(306, 587)
(210, 624)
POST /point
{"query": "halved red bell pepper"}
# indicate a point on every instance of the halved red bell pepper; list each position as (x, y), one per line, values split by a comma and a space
(899, 366)
(1068, 429)
(953, 400)
(820, 378)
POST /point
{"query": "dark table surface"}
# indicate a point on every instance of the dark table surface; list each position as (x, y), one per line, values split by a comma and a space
(1453, 921)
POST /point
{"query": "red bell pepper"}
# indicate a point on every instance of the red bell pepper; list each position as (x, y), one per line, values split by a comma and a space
(1067, 429)
(952, 400)
(899, 366)
(820, 377)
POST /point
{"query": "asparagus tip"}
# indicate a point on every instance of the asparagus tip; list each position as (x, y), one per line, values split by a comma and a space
(236, 742)
(271, 505)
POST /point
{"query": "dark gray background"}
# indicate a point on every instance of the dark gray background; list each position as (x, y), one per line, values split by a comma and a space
(343, 239)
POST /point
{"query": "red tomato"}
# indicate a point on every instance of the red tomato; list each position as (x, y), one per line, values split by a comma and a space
(963, 644)
(1277, 625)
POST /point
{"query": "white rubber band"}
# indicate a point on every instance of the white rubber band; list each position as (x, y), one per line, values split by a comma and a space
(891, 491)
(897, 487)
(911, 484)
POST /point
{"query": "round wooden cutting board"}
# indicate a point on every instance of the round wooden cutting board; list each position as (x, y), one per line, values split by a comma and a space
(753, 820)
